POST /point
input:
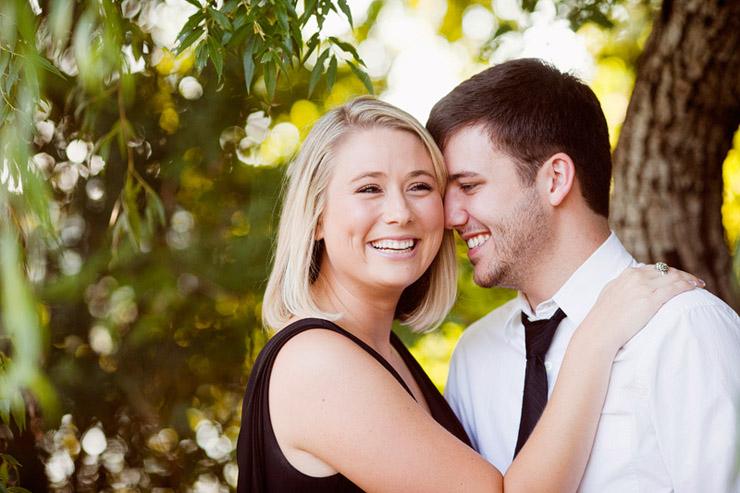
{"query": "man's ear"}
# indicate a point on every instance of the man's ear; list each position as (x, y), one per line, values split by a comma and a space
(560, 175)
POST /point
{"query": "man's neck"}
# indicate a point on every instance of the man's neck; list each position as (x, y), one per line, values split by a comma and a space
(550, 273)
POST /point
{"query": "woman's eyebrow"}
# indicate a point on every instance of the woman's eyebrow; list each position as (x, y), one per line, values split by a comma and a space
(420, 172)
(368, 174)
(378, 174)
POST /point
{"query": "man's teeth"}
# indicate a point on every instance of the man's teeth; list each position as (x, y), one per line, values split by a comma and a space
(477, 240)
(393, 245)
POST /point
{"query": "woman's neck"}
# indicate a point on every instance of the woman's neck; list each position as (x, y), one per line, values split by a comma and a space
(368, 316)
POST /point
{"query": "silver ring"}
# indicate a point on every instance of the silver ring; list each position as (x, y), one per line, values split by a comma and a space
(661, 267)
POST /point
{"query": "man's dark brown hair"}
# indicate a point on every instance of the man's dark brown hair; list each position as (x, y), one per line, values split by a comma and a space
(531, 111)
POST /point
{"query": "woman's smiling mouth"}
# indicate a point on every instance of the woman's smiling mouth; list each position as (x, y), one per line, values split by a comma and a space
(394, 246)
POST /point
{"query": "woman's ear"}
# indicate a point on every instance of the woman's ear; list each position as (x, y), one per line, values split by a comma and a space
(318, 235)
(560, 175)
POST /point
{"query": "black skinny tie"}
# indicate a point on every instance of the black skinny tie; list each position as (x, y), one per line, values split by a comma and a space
(538, 336)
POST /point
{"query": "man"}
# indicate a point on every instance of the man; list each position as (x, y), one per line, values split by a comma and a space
(527, 149)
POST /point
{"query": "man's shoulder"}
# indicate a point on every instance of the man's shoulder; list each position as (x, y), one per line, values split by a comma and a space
(698, 304)
(696, 316)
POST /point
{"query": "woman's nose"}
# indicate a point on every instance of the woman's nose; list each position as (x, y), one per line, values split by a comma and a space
(455, 214)
(397, 209)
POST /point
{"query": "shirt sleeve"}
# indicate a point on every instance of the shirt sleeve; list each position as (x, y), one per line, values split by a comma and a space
(693, 394)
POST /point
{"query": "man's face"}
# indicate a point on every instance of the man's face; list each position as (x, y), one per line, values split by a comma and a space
(503, 222)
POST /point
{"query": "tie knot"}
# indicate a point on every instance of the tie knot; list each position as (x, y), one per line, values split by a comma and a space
(538, 334)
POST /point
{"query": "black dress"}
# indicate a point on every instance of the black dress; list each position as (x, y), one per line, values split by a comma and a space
(262, 465)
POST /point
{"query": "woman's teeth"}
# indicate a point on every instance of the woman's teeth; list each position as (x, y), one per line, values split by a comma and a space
(395, 246)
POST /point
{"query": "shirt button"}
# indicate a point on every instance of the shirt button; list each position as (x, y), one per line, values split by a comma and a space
(548, 366)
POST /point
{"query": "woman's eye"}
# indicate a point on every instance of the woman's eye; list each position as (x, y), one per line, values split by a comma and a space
(369, 189)
(421, 187)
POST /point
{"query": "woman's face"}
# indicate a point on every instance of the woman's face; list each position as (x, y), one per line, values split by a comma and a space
(384, 220)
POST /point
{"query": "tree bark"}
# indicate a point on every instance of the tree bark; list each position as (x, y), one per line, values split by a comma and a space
(684, 110)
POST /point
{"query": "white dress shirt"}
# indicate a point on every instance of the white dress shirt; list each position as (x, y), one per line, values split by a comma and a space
(671, 416)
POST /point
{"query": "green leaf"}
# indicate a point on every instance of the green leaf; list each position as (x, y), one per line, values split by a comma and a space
(21, 322)
(283, 67)
(17, 489)
(12, 77)
(220, 18)
(287, 45)
(309, 7)
(239, 34)
(347, 12)
(362, 75)
(282, 17)
(248, 63)
(40, 385)
(4, 60)
(11, 459)
(596, 16)
(195, 3)
(45, 64)
(318, 69)
(130, 210)
(529, 5)
(503, 29)
(214, 51)
(18, 410)
(201, 55)
(5, 110)
(291, 10)
(311, 45)
(192, 24)
(331, 72)
(155, 204)
(5, 411)
(346, 47)
(230, 6)
(268, 70)
(296, 36)
(188, 40)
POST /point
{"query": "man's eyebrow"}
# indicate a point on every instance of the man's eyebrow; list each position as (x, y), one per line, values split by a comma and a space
(463, 174)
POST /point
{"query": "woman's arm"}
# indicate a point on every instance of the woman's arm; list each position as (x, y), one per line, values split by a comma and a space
(334, 408)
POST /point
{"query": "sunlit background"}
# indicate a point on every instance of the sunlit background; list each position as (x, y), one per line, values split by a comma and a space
(415, 52)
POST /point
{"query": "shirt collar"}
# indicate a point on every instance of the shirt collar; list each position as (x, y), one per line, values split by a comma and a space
(579, 293)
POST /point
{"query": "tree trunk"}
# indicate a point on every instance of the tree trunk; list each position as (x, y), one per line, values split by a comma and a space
(684, 110)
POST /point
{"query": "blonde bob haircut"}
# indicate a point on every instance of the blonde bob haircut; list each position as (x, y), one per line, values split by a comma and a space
(297, 262)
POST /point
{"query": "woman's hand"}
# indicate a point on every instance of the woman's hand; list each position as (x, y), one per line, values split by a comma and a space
(628, 302)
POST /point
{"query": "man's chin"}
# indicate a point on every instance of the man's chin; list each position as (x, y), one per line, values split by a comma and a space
(499, 278)
(484, 280)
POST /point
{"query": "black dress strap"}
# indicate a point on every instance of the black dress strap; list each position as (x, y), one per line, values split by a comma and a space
(256, 437)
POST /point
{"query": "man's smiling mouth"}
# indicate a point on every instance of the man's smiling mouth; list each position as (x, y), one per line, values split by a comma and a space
(477, 240)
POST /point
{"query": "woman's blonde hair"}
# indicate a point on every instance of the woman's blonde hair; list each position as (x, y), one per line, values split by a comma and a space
(424, 304)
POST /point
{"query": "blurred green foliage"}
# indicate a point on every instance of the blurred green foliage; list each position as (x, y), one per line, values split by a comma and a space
(140, 173)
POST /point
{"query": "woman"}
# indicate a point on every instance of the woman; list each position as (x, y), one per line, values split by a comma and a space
(335, 402)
